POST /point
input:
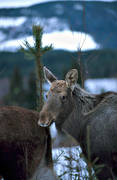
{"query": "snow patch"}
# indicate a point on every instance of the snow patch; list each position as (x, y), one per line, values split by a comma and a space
(50, 24)
(11, 22)
(12, 45)
(53, 131)
(62, 164)
(70, 40)
(97, 86)
(2, 36)
(59, 39)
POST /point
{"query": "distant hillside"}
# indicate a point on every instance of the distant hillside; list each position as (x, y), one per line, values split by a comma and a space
(96, 64)
(95, 18)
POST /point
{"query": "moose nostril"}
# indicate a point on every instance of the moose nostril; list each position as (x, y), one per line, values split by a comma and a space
(41, 124)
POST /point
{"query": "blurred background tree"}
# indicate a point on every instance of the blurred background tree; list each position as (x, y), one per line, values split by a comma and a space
(31, 94)
(17, 93)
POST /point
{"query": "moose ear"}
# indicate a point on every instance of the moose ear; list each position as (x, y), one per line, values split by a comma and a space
(71, 78)
(49, 76)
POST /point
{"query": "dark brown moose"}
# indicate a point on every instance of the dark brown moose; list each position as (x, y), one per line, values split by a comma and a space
(74, 110)
(23, 144)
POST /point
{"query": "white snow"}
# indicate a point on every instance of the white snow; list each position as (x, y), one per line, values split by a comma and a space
(101, 85)
(53, 131)
(51, 24)
(11, 45)
(11, 22)
(70, 40)
(2, 36)
(26, 3)
(59, 39)
(62, 165)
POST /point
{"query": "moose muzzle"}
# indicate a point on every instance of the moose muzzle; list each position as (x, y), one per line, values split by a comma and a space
(45, 119)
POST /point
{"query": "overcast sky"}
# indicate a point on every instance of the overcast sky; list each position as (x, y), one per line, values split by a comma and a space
(25, 3)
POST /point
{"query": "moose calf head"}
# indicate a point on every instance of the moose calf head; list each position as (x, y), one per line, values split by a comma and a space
(59, 102)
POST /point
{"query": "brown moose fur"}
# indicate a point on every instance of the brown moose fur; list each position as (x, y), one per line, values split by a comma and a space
(23, 144)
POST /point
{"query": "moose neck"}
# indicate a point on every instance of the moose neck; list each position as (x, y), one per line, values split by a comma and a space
(83, 103)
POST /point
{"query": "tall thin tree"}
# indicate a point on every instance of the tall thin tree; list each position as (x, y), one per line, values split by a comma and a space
(37, 51)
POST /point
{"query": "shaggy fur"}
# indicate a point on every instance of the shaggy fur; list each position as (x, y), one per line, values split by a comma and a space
(23, 144)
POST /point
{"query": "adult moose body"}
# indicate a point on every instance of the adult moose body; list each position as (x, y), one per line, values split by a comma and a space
(23, 144)
(73, 110)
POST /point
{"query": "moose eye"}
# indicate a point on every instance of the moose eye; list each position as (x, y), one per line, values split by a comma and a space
(46, 96)
(63, 98)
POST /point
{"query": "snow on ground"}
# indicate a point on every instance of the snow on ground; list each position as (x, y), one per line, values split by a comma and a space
(61, 157)
(11, 22)
(51, 24)
(2, 36)
(101, 85)
(59, 39)
(26, 3)
(62, 164)
(70, 40)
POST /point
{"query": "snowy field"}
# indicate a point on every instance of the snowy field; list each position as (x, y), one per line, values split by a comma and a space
(96, 86)
(56, 32)
(68, 164)
(66, 39)
(11, 22)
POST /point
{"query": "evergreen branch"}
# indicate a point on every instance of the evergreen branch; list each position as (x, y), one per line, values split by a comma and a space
(27, 53)
(46, 48)
(37, 34)
(29, 48)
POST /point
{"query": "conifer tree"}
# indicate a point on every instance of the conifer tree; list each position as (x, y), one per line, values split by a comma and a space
(37, 52)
